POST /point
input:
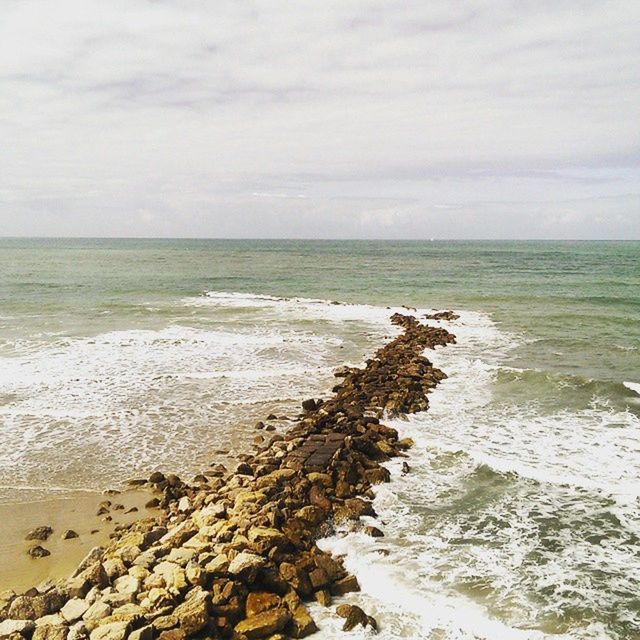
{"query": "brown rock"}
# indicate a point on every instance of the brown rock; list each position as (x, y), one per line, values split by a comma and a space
(323, 597)
(193, 613)
(38, 552)
(69, 534)
(51, 632)
(263, 624)
(301, 624)
(259, 601)
(355, 616)
(39, 533)
(345, 585)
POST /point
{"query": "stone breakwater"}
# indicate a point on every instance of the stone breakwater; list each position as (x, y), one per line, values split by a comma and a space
(234, 554)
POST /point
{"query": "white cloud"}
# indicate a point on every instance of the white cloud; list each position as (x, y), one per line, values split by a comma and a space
(183, 107)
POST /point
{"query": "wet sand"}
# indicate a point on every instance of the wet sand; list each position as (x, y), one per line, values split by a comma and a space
(76, 511)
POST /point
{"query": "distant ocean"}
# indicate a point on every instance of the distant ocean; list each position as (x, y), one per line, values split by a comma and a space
(520, 518)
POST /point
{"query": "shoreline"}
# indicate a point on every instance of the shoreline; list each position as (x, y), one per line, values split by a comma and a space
(234, 555)
(75, 511)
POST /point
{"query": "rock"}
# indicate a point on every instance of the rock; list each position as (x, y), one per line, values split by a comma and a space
(318, 578)
(172, 634)
(194, 573)
(177, 536)
(374, 532)
(97, 611)
(156, 477)
(301, 624)
(193, 613)
(263, 624)
(259, 601)
(323, 597)
(50, 632)
(112, 631)
(127, 584)
(69, 534)
(309, 405)
(218, 566)
(163, 623)
(53, 619)
(39, 533)
(38, 552)
(184, 504)
(95, 574)
(173, 575)
(32, 607)
(345, 585)
(95, 555)
(78, 631)
(144, 633)
(181, 556)
(263, 538)
(354, 616)
(74, 609)
(244, 469)
(246, 565)
(9, 627)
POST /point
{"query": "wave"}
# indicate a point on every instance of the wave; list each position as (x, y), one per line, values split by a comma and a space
(634, 386)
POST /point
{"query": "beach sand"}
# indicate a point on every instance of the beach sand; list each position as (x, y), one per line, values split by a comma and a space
(76, 511)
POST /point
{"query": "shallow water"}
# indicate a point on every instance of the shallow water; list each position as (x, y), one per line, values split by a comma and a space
(520, 517)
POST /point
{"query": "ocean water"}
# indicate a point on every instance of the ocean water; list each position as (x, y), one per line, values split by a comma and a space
(520, 517)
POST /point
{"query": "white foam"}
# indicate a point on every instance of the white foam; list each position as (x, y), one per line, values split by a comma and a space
(438, 543)
(633, 386)
(127, 400)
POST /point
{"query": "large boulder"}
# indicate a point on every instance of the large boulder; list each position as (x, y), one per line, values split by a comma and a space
(193, 613)
(263, 624)
(113, 631)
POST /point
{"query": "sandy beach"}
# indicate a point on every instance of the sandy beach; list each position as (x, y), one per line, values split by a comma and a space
(76, 511)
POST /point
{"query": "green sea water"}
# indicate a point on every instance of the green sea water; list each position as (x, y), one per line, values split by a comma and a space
(521, 515)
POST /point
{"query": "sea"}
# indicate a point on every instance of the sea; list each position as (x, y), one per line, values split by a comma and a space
(520, 516)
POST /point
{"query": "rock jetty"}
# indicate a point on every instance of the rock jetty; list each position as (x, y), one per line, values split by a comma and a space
(233, 554)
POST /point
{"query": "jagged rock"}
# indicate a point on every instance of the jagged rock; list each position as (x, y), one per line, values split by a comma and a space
(309, 405)
(38, 552)
(345, 585)
(144, 633)
(179, 534)
(50, 632)
(97, 611)
(69, 534)
(193, 613)
(39, 533)
(354, 616)
(244, 469)
(74, 609)
(95, 555)
(259, 601)
(112, 631)
(263, 624)
(173, 575)
(78, 631)
(323, 597)
(127, 584)
(245, 565)
(184, 504)
(218, 566)
(301, 624)
(374, 532)
(9, 627)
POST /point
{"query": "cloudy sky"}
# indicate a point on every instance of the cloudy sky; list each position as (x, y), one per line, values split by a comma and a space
(414, 119)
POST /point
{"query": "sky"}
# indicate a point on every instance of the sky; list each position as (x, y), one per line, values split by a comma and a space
(337, 119)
